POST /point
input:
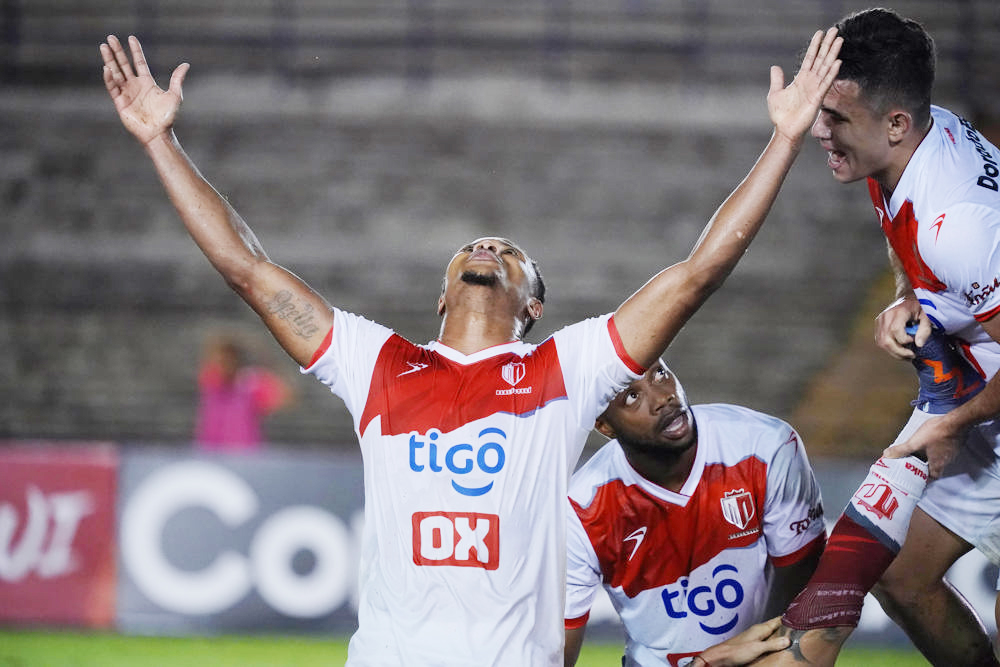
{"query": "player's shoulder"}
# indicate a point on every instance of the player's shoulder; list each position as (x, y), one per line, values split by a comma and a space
(597, 324)
(959, 163)
(604, 467)
(738, 431)
(729, 415)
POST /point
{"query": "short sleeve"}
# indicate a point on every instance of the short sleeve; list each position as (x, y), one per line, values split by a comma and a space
(348, 364)
(595, 365)
(793, 513)
(583, 576)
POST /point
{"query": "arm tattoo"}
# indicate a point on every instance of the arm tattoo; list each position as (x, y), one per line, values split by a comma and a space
(300, 317)
(828, 635)
(794, 647)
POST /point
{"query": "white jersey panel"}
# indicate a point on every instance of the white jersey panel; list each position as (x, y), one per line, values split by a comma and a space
(956, 209)
(467, 461)
(359, 340)
(943, 222)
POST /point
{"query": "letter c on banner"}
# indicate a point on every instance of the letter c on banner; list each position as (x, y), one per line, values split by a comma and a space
(160, 496)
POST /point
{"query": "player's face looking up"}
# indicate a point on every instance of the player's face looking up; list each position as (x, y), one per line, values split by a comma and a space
(652, 413)
(857, 138)
(501, 265)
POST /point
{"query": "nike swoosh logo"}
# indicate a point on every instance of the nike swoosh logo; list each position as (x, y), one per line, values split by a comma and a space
(414, 367)
(638, 536)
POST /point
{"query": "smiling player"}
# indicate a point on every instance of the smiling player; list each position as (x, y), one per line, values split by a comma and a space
(934, 182)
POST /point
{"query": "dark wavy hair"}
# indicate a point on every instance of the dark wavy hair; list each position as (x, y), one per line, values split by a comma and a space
(891, 58)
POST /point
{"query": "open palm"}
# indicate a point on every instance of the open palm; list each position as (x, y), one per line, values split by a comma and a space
(793, 108)
(145, 109)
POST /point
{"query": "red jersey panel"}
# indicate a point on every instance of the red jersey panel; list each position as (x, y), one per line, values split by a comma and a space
(730, 497)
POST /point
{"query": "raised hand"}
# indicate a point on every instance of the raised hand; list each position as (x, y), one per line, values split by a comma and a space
(146, 110)
(793, 108)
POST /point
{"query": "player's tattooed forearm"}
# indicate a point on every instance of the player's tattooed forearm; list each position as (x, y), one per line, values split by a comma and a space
(301, 317)
(795, 647)
(834, 635)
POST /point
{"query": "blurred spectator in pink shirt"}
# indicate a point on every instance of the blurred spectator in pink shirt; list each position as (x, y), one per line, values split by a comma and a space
(234, 397)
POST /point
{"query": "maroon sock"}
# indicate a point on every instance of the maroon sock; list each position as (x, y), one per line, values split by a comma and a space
(853, 561)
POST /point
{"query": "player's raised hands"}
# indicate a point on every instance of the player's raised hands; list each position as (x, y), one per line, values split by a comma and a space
(145, 109)
(793, 108)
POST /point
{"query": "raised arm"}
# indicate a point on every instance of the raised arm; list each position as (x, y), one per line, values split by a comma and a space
(296, 315)
(650, 319)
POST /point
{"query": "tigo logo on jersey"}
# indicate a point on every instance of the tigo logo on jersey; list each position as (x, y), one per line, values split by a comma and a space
(460, 459)
(461, 539)
(681, 599)
(512, 374)
(738, 507)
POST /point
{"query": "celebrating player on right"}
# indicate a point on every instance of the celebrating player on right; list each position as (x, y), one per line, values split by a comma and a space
(933, 180)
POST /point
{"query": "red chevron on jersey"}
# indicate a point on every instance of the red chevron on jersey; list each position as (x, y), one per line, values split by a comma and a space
(727, 495)
(416, 389)
(901, 232)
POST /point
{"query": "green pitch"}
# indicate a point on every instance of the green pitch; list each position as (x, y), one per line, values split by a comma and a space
(69, 649)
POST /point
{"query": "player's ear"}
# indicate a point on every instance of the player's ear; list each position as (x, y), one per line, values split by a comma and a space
(535, 308)
(440, 306)
(604, 428)
(900, 124)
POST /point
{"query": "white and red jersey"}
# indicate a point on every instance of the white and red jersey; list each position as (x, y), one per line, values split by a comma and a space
(467, 461)
(687, 570)
(943, 222)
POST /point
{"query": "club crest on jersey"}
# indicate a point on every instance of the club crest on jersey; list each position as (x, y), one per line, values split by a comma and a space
(512, 373)
(738, 508)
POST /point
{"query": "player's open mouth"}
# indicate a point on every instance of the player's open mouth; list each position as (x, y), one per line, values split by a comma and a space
(835, 159)
(676, 426)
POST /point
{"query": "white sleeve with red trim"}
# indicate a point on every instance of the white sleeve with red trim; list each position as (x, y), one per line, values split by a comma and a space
(347, 364)
(964, 253)
(583, 572)
(578, 355)
(793, 511)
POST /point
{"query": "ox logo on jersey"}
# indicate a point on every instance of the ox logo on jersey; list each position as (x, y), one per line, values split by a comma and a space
(738, 507)
(485, 457)
(512, 373)
(460, 539)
